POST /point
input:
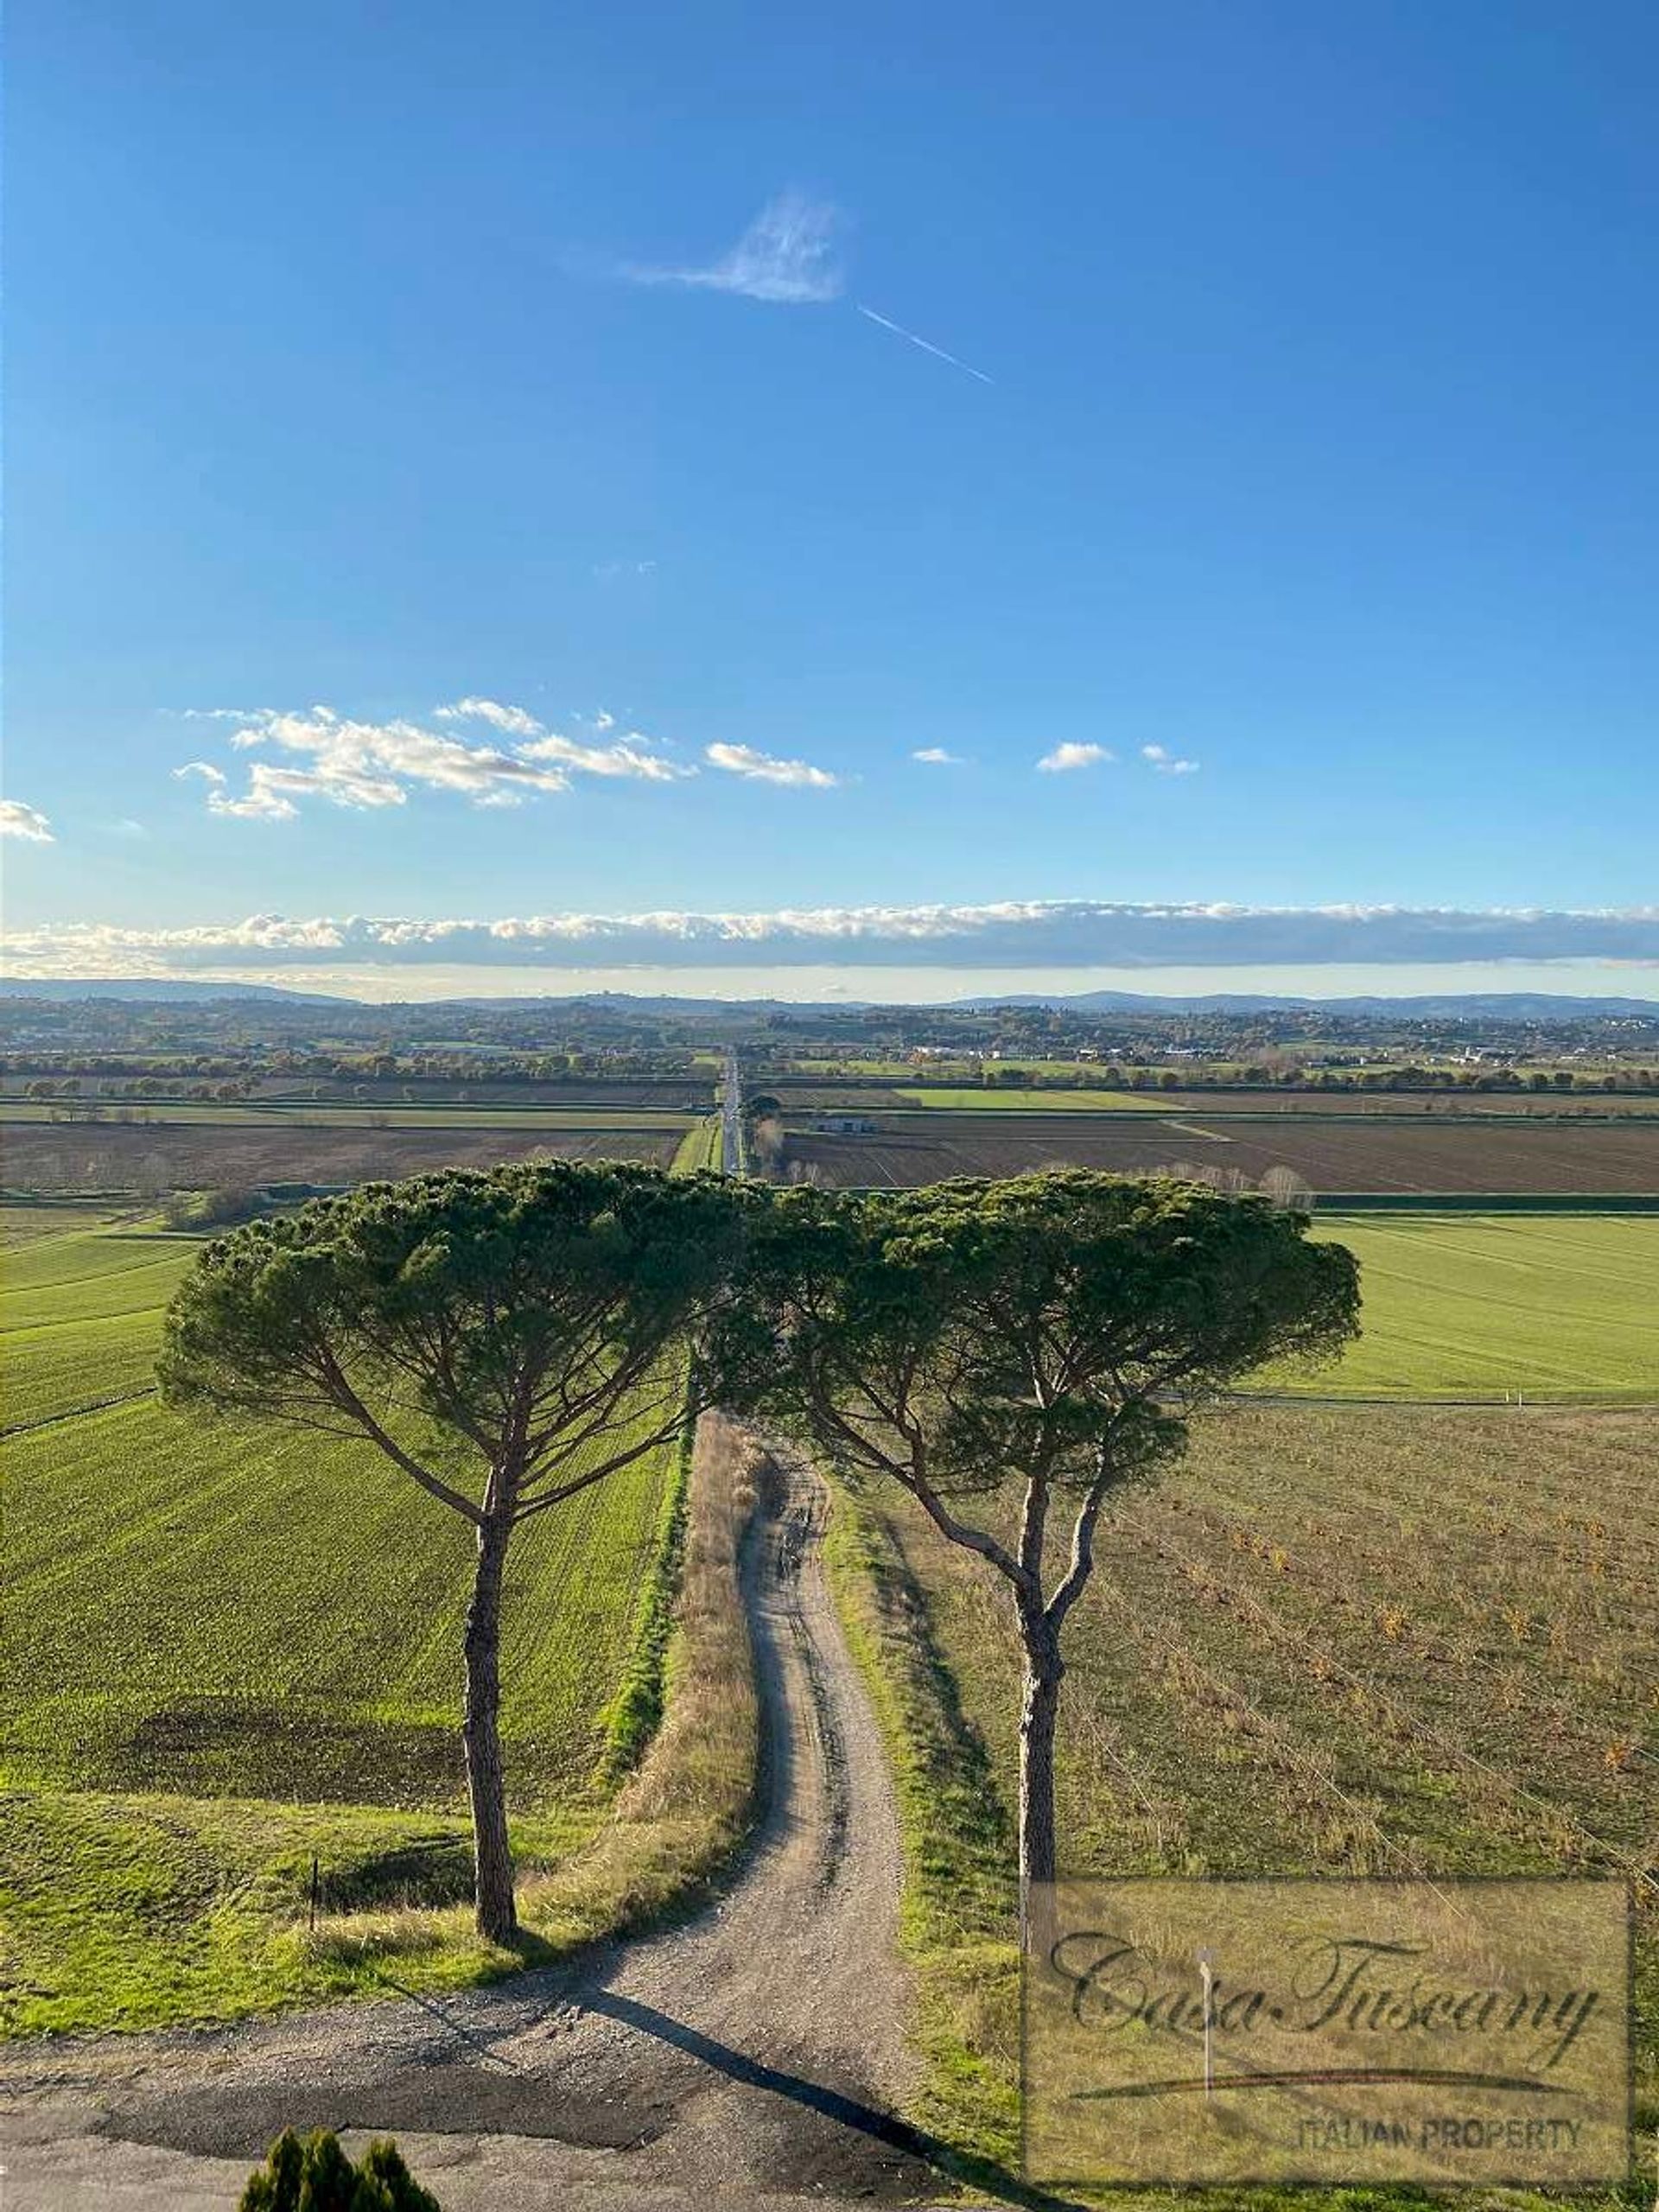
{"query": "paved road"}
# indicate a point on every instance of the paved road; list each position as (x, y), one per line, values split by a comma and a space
(750, 2058)
(731, 1119)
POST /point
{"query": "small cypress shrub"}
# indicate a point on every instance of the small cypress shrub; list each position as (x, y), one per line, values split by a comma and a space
(383, 2163)
(317, 2175)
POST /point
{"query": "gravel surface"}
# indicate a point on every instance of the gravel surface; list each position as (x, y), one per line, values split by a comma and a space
(751, 2057)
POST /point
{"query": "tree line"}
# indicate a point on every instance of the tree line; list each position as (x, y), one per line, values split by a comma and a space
(1011, 1354)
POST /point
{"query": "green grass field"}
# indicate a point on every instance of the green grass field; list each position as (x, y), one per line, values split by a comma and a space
(1463, 1305)
(701, 1147)
(1028, 1102)
(80, 1311)
(227, 1648)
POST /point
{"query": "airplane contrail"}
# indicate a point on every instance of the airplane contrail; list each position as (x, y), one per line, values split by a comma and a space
(927, 346)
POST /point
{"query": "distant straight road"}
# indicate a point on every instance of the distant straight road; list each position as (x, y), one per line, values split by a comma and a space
(731, 1117)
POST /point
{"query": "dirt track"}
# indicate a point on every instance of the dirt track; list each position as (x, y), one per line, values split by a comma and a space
(751, 2057)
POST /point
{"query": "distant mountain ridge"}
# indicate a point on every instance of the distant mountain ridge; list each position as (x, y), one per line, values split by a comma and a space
(1482, 1006)
(1485, 1006)
(156, 990)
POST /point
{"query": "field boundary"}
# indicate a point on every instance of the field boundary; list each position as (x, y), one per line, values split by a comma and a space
(1639, 1202)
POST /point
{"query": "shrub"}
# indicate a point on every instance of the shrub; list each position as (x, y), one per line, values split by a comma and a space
(317, 2175)
(218, 1209)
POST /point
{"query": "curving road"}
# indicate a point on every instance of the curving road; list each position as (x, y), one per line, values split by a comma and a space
(749, 2058)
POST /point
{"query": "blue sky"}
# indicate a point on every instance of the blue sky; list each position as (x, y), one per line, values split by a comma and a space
(367, 363)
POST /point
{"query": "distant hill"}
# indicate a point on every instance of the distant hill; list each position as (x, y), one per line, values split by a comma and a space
(1489, 1006)
(1478, 1006)
(154, 991)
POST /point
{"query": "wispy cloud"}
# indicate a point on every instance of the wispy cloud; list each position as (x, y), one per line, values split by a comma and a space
(323, 755)
(17, 820)
(764, 768)
(217, 714)
(1167, 763)
(516, 721)
(787, 256)
(927, 344)
(1066, 757)
(627, 756)
(1044, 934)
(607, 572)
(935, 756)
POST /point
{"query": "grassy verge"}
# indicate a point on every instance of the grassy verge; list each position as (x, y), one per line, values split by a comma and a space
(635, 1713)
(957, 1919)
(139, 1910)
(701, 1147)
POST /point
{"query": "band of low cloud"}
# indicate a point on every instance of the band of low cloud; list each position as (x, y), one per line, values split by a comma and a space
(1075, 933)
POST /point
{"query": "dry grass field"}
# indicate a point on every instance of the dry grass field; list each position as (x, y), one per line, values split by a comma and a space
(1386, 1641)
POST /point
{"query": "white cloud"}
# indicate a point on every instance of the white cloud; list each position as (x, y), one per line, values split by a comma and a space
(762, 767)
(787, 256)
(1066, 757)
(1166, 762)
(935, 756)
(217, 714)
(1047, 934)
(17, 820)
(516, 721)
(364, 765)
(607, 572)
(628, 756)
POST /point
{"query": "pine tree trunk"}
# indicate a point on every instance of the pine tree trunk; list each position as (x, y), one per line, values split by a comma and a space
(1044, 1670)
(481, 1732)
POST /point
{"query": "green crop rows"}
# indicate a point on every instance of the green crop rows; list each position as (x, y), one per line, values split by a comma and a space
(1475, 1306)
(228, 1646)
(81, 1311)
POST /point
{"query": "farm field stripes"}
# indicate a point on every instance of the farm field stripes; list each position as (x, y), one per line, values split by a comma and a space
(1468, 1305)
(125, 1156)
(1412, 1158)
(25, 1222)
(1030, 1101)
(1333, 1642)
(109, 1293)
(228, 1647)
(136, 1540)
(254, 1113)
(80, 1316)
(48, 1375)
